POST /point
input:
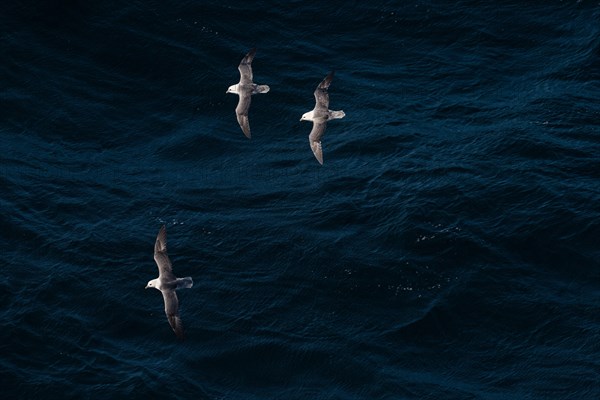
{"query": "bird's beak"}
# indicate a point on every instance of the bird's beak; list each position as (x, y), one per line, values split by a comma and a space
(146, 287)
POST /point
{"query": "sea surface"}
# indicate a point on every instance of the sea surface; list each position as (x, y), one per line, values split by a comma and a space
(448, 248)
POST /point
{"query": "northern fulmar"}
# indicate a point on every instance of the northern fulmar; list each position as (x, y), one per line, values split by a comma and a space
(167, 283)
(319, 117)
(245, 89)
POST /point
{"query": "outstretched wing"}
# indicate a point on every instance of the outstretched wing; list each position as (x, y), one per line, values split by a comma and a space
(241, 111)
(172, 311)
(165, 270)
(245, 67)
(321, 94)
(315, 139)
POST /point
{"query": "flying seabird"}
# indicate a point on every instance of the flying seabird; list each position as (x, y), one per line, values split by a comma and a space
(319, 117)
(167, 282)
(245, 89)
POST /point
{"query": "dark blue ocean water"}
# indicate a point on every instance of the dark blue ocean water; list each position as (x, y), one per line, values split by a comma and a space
(447, 249)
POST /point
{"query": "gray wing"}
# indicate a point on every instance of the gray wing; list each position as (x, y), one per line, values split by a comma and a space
(245, 67)
(165, 270)
(321, 94)
(172, 311)
(241, 112)
(315, 139)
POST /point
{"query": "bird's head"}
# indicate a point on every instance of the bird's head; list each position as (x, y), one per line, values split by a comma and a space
(307, 116)
(232, 89)
(151, 283)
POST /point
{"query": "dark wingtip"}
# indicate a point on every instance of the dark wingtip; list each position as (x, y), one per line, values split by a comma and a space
(249, 56)
(161, 240)
(329, 76)
(327, 81)
(179, 331)
(247, 133)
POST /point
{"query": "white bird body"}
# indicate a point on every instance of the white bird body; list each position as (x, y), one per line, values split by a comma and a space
(319, 117)
(168, 283)
(245, 89)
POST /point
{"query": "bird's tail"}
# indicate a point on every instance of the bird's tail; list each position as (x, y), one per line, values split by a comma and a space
(261, 89)
(185, 283)
(336, 114)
